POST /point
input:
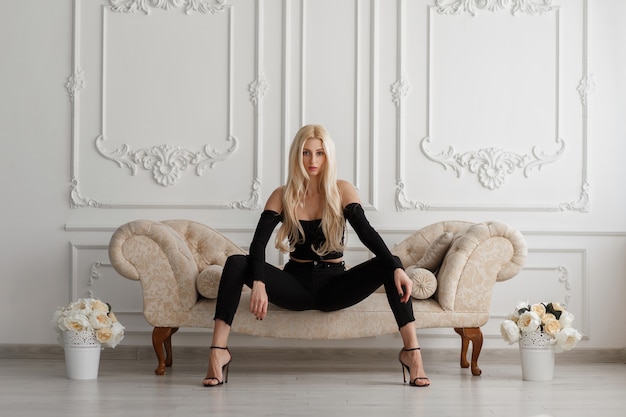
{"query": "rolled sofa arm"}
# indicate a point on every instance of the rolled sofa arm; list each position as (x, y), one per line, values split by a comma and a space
(156, 255)
(485, 253)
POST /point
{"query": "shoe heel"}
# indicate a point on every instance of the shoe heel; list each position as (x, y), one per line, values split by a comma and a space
(403, 371)
(225, 372)
(225, 369)
(408, 369)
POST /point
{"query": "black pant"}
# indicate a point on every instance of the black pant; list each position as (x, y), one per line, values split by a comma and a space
(323, 286)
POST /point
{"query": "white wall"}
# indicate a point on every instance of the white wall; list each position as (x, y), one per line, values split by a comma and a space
(381, 75)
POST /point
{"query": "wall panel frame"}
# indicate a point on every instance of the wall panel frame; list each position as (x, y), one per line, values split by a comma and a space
(166, 163)
(492, 165)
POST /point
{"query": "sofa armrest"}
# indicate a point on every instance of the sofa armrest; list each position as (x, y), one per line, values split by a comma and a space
(156, 255)
(483, 254)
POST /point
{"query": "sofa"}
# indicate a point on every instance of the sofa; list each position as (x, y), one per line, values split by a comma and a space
(454, 266)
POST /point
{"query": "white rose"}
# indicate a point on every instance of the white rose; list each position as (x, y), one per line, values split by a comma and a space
(551, 325)
(566, 339)
(540, 309)
(104, 335)
(521, 305)
(82, 306)
(509, 331)
(99, 319)
(76, 322)
(529, 321)
(566, 319)
(112, 317)
(60, 324)
(56, 320)
(117, 331)
(98, 305)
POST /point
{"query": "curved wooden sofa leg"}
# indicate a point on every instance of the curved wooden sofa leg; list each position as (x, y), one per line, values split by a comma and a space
(475, 335)
(162, 344)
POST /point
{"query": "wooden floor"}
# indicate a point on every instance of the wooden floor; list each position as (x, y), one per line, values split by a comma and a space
(311, 382)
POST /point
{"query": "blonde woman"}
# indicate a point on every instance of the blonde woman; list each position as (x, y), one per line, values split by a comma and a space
(313, 208)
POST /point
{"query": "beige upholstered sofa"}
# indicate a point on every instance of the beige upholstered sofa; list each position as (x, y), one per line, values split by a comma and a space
(178, 263)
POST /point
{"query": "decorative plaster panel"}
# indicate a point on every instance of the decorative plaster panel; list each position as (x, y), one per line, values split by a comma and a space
(586, 87)
(165, 161)
(457, 7)
(75, 83)
(93, 277)
(492, 164)
(318, 72)
(131, 6)
(553, 274)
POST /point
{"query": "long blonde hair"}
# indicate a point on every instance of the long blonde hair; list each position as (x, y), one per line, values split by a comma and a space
(298, 181)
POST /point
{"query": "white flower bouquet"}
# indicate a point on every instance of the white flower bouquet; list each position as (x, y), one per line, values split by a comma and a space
(549, 318)
(89, 314)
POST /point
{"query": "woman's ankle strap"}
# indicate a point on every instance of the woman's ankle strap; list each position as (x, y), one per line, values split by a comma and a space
(412, 349)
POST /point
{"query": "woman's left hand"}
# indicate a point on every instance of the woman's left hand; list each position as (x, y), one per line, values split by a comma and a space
(403, 284)
(258, 300)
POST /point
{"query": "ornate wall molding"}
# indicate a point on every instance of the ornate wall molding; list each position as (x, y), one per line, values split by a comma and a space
(254, 202)
(403, 203)
(77, 200)
(586, 87)
(166, 162)
(94, 275)
(75, 83)
(564, 277)
(492, 164)
(557, 273)
(298, 60)
(400, 89)
(82, 287)
(132, 6)
(257, 90)
(457, 7)
(582, 204)
(87, 277)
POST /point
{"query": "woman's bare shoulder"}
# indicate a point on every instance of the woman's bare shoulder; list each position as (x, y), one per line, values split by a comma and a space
(348, 193)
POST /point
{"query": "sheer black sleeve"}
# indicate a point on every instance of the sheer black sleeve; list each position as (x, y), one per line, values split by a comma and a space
(267, 223)
(355, 214)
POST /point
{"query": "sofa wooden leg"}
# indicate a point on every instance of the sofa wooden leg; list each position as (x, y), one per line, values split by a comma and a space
(162, 344)
(475, 335)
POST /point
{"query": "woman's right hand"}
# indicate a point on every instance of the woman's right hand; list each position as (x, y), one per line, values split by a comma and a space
(258, 300)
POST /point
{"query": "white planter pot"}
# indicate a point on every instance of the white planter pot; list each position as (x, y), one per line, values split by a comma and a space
(82, 355)
(537, 355)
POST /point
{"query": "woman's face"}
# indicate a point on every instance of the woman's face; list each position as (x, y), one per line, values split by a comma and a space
(313, 156)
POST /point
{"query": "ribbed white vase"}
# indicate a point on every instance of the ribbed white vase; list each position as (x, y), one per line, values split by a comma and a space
(82, 354)
(537, 355)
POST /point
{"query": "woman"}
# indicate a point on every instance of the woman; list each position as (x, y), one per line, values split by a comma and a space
(313, 207)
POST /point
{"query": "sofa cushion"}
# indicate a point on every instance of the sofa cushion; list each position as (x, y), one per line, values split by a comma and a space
(435, 252)
(208, 281)
(424, 282)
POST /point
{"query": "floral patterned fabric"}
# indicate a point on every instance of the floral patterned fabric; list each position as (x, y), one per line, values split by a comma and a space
(208, 281)
(435, 252)
(424, 282)
(167, 258)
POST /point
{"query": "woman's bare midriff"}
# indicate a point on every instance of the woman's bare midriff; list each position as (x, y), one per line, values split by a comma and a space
(304, 261)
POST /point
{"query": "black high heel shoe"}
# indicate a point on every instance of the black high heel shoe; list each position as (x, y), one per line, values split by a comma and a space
(206, 380)
(413, 382)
